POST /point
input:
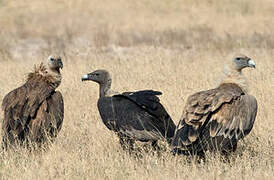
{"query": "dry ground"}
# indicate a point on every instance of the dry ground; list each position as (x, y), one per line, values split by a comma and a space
(178, 47)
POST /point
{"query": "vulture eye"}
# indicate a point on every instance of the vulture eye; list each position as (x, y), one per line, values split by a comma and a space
(96, 74)
(238, 58)
(51, 59)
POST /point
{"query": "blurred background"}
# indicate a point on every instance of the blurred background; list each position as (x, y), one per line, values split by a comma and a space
(79, 27)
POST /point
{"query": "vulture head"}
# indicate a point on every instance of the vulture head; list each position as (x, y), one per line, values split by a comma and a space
(54, 63)
(242, 61)
(48, 71)
(233, 72)
(99, 76)
(102, 77)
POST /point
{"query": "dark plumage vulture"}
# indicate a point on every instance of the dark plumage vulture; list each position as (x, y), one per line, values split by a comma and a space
(34, 112)
(132, 115)
(216, 119)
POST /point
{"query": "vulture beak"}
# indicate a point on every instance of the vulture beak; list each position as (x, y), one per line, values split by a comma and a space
(251, 63)
(60, 64)
(86, 77)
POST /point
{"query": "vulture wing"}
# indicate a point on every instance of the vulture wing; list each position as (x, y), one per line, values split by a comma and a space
(56, 110)
(48, 121)
(21, 105)
(137, 114)
(147, 100)
(225, 112)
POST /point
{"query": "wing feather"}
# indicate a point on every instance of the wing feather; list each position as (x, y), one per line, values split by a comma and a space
(22, 104)
(149, 101)
(49, 118)
(235, 119)
(223, 112)
(56, 110)
(137, 114)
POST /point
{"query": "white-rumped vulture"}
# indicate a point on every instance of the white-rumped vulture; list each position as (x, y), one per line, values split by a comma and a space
(216, 119)
(33, 113)
(132, 115)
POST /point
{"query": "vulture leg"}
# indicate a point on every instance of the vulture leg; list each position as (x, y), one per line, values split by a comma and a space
(229, 149)
(226, 154)
(7, 140)
(126, 143)
(155, 146)
(10, 139)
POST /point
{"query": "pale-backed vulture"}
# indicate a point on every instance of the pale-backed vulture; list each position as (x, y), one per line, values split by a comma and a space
(132, 115)
(33, 113)
(216, 119)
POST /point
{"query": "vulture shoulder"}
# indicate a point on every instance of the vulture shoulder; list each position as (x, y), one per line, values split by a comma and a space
(227, 111)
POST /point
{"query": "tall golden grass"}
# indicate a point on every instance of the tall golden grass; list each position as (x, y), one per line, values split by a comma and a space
(177, 47)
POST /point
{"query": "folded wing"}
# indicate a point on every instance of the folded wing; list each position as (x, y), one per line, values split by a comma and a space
(137, 114)
(222, 116)
(28, 109)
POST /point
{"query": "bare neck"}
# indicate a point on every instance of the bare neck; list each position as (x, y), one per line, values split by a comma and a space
(105, 88)
(235, 76)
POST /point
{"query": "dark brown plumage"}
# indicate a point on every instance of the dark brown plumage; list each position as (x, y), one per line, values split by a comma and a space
(216, 119)
(34, 112)
(132, 115)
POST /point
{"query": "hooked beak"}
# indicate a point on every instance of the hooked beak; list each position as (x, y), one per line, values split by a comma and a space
(251, 63)
(86, 77)
(60, 64)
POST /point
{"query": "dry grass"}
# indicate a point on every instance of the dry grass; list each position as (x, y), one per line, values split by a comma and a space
(178, 47)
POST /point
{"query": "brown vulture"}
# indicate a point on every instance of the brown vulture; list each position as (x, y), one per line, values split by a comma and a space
(216, 119)
(132, 115)
(34, 112)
